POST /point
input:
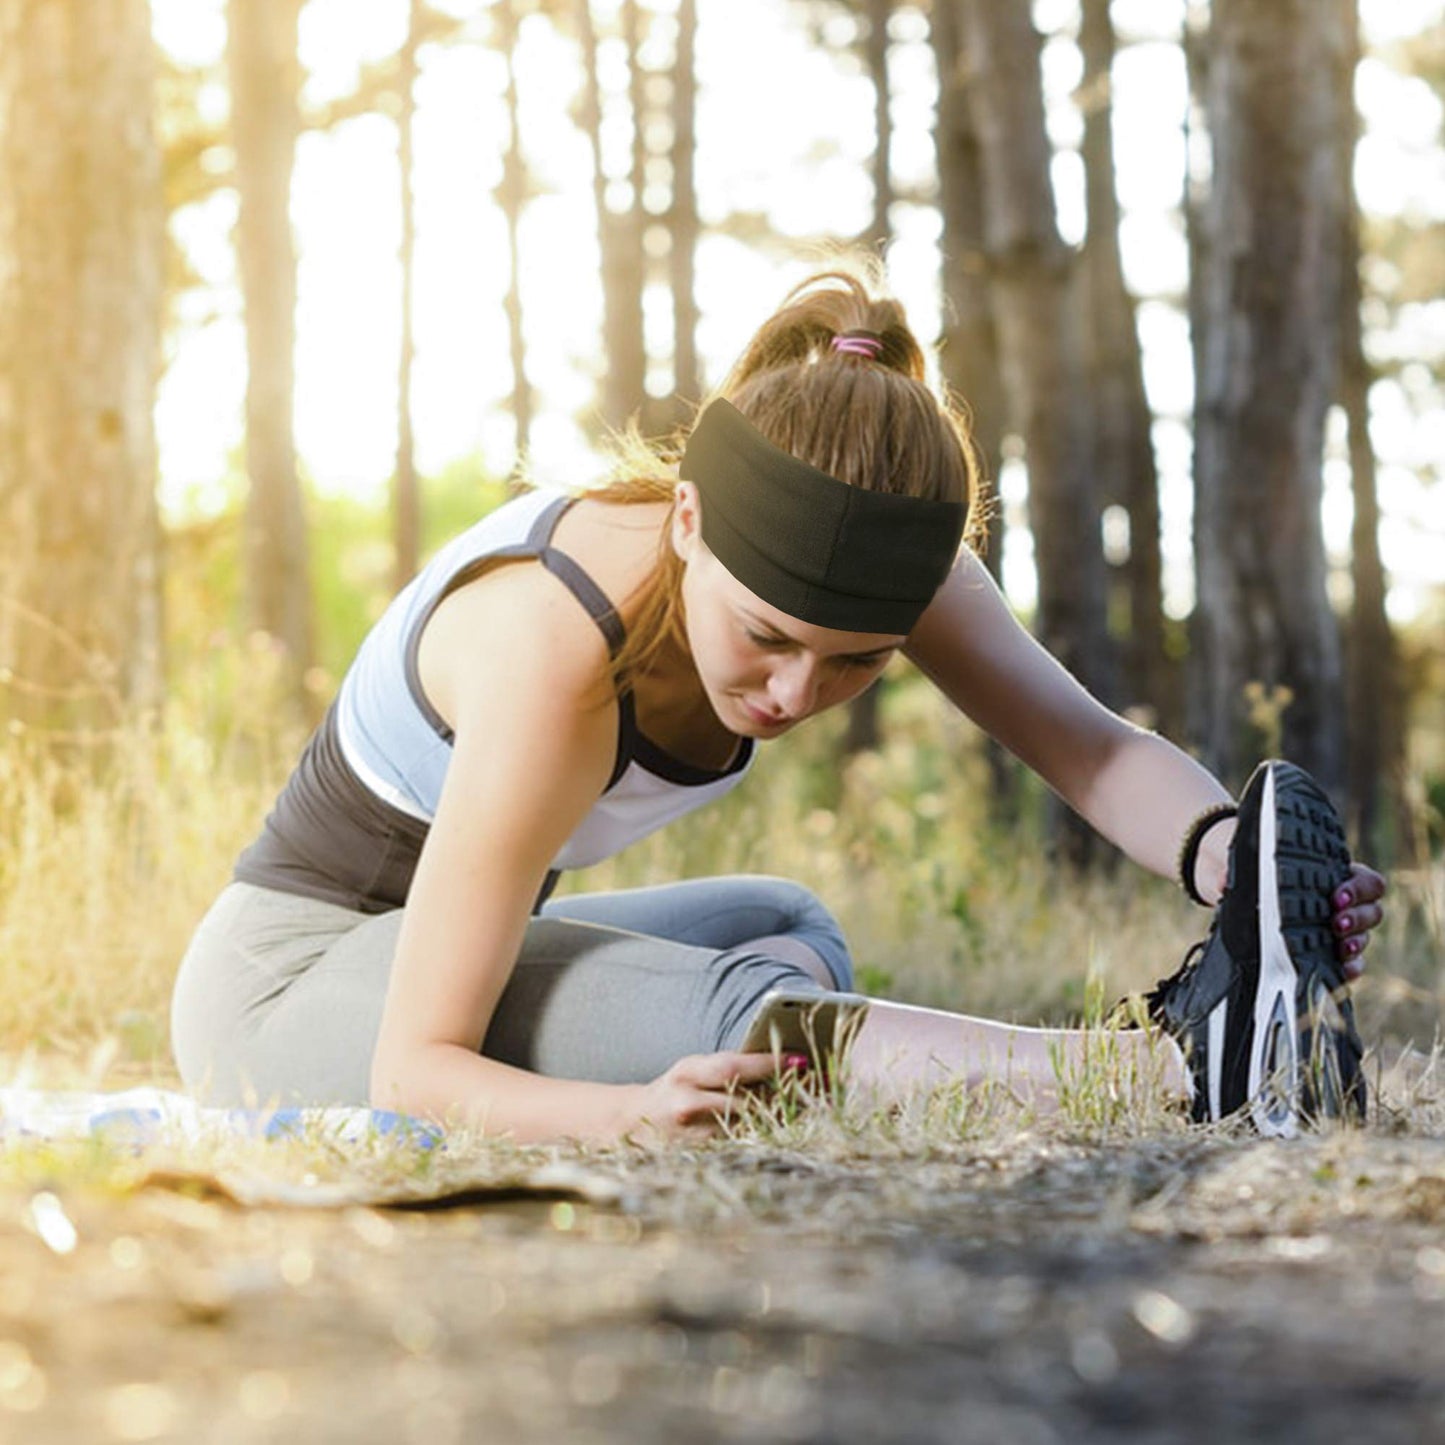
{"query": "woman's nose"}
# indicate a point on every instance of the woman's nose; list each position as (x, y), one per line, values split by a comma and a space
(794, 685)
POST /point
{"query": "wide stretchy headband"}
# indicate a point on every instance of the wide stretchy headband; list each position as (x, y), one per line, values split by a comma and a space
(812, 546)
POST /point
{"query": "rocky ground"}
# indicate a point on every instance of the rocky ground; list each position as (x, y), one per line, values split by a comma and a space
(1017, 1288)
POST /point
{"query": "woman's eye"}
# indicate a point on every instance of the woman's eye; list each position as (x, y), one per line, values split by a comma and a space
(759, 640)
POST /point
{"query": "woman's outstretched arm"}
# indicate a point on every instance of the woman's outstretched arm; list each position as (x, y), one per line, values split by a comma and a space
(1137, 788)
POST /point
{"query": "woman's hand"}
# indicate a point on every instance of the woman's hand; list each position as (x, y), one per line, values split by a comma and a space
(1357, 911)
(691, 1100)
(1355, 903)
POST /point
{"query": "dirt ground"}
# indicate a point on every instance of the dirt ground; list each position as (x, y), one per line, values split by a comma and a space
(1014, 1290)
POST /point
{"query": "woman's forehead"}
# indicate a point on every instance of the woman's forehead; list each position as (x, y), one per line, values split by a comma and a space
(825, 640)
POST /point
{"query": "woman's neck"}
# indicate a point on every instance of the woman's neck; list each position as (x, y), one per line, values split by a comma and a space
(617, 545)
(673, 711)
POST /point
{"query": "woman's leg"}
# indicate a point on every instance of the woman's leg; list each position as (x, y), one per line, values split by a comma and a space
(900, 1049)
(279, 1000)
(590, 1002)
(742, 911)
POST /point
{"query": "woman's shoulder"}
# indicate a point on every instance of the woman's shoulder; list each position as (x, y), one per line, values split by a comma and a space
(513, 623)
(508, 599)
(616, 543)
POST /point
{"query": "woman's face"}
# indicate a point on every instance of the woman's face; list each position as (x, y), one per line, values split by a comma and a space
(763, 671)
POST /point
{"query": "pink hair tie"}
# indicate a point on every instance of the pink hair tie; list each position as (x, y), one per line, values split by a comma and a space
(867, 344)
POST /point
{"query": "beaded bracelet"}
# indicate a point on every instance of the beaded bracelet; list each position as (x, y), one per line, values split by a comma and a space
(1189, 848)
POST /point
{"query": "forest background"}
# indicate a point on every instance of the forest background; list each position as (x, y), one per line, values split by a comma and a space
(1183, 262)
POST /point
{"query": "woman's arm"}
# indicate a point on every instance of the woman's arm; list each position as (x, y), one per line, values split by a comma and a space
(1139, 790)
(532, 752)
(1135, 787)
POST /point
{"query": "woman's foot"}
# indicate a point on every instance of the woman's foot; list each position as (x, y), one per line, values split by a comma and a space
(1261, 1006)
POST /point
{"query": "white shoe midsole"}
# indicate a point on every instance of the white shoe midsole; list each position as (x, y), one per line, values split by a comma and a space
(1218, 1027)
(1274, 1001)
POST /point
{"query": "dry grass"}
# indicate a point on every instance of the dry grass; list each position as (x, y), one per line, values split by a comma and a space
(109, 854)
(108, 859)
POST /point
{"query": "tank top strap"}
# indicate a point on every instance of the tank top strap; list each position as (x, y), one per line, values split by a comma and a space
(571, 574)
(594, 601)
(598, 606)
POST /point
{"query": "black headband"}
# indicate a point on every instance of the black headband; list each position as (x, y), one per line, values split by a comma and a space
(812, 546)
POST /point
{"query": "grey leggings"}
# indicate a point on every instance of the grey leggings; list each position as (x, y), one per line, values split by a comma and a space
(279, 997)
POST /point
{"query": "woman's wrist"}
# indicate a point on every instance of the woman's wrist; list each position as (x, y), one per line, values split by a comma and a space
(1211, 869)
(625, 1114)
(1203, 860)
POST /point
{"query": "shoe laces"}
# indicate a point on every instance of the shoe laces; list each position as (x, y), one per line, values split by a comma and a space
(1155, 997)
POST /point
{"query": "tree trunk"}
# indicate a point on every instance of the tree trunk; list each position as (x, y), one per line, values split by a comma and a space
(406, 502)
(864, 732)
(1271, 292)
(623, 392)
(682, 257)
(81, 254)
(1123, 423)
(265, 83)
(875, 59)
(1375, 706)
(1039, 332)
(1041, 347)
(1375, 729)
(969, 357)
(511, 196)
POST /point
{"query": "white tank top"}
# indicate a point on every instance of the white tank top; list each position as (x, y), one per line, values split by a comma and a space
(371, 777)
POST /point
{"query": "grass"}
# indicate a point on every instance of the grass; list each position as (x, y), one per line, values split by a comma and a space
(109, 856)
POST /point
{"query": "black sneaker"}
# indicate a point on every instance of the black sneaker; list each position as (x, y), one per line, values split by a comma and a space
(1261, 1007)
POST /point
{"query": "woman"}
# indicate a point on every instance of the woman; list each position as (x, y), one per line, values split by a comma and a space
(571, 673)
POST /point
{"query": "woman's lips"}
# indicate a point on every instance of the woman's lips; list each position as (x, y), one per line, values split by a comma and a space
(761, 718)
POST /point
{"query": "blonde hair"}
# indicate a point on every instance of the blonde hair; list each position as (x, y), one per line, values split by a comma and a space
(875, 423)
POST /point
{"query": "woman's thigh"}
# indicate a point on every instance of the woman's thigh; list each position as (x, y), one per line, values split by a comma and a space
(591, 1002)
(719, 913)
(279, 1000)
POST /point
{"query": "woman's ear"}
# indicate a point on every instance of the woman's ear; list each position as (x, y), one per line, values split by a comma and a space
(686, 520)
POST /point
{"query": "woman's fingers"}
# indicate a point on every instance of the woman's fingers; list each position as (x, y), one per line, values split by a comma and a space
(717, 1071)
(1364, 884)
(698, 1093)
(1359, 920)
(1356, 912)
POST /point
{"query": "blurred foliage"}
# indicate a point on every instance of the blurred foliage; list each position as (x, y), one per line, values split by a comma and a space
(1412, 247)
(1423, 55)
(109, 857)
(351, 553)
(105, 870)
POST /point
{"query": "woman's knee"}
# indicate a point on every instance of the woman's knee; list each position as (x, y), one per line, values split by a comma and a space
(805, 917)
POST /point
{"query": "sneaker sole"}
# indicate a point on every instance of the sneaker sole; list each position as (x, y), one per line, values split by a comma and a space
(1302, 858)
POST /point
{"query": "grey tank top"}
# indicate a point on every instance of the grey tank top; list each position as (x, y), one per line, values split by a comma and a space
(350, 823)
